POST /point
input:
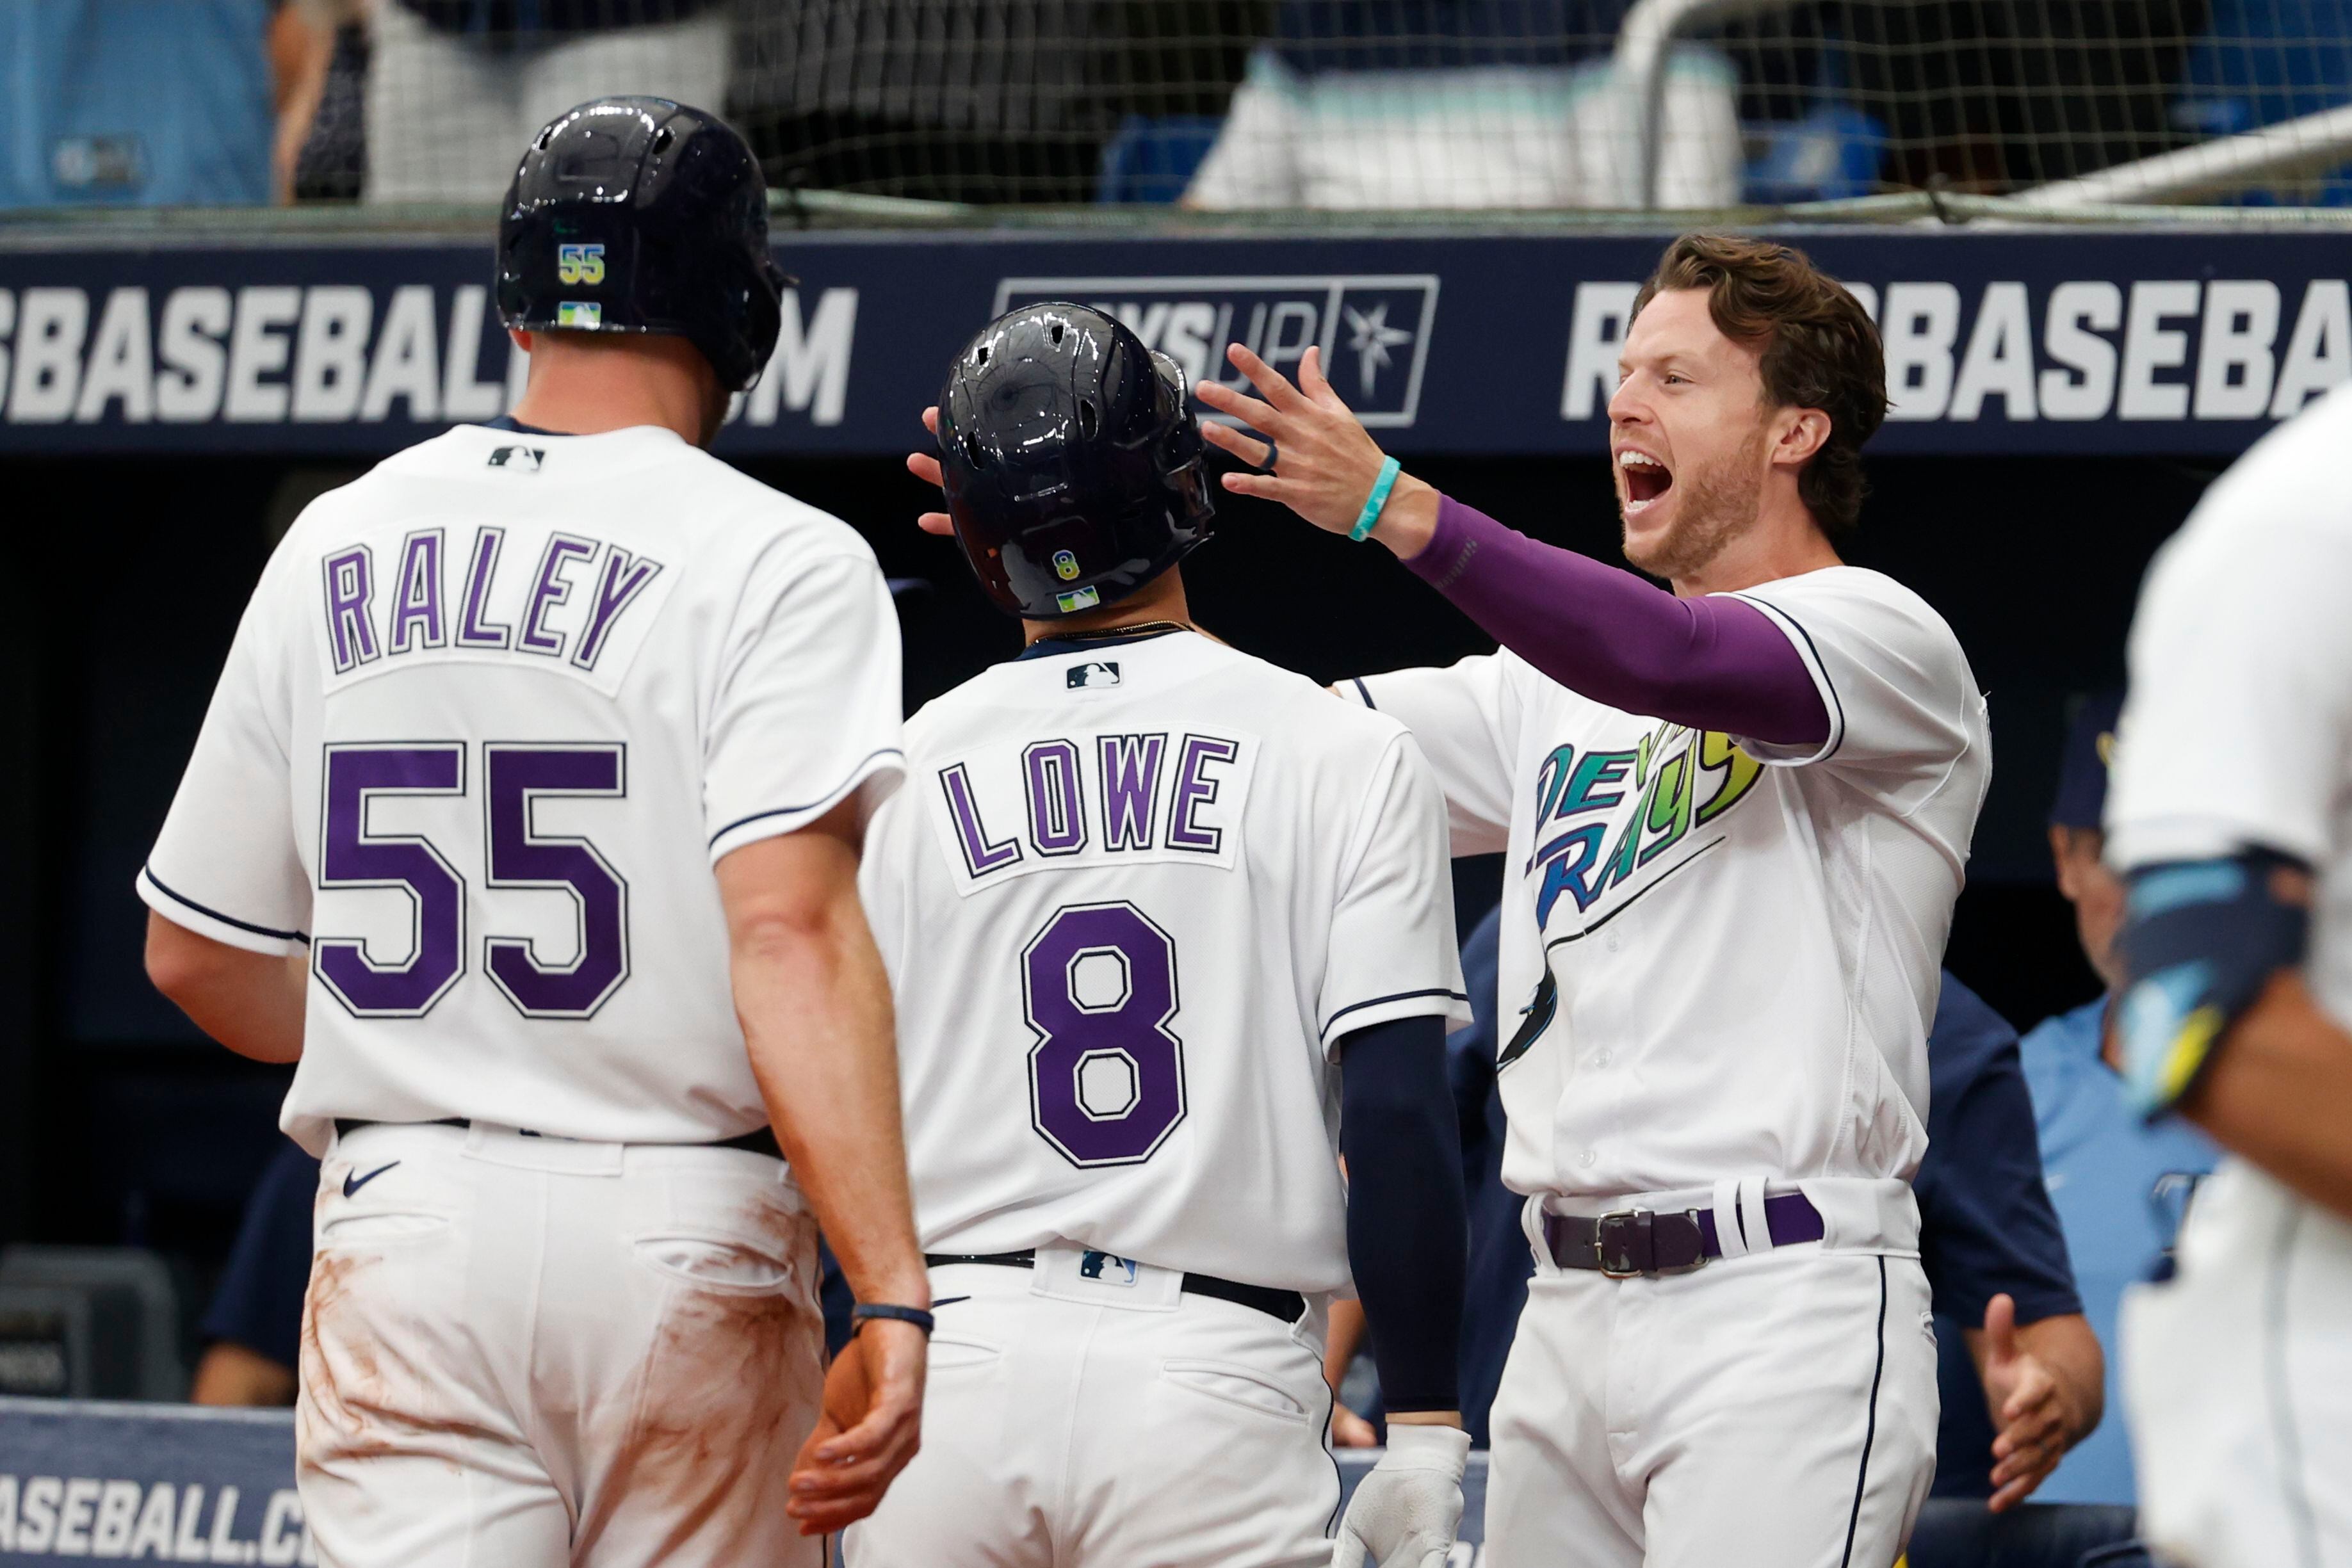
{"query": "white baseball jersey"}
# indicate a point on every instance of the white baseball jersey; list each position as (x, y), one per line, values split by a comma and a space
(1132, 901)
(1746, 938)
(492, 714)
(2238, 732)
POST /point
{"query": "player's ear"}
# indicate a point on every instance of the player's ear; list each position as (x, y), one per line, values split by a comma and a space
(520, 339)
(1800, 432)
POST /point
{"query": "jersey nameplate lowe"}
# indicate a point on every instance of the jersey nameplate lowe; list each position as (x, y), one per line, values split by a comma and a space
(1090, 799)
(476, 591)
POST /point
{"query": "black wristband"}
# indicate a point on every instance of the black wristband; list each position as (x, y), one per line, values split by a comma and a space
(864, 1310)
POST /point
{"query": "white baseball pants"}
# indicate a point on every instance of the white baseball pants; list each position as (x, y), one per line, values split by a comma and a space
(447, 116)
(1070, 1423)
(2238, 1383)
(535, 1352)
(1776, 1411)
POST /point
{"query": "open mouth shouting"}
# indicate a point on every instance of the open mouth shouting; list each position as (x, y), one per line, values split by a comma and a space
(1642, 478)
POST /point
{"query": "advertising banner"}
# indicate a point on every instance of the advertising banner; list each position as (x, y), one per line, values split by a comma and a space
(2066, 341)
(166, 1483)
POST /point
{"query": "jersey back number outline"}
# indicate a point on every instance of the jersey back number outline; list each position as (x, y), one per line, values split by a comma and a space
(519, 857)
(1105, 1076)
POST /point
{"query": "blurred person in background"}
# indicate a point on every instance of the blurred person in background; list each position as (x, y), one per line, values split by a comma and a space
(2120, 1184)
(136, 103)
(455, 86)
(1462, 103)
(253, 1331)
(318, 52)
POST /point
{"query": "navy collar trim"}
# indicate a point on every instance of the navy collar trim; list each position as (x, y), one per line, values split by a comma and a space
(509, 422)
(1053, 647)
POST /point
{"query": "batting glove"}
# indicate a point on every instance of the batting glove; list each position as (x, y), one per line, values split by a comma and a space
(1405, 1512)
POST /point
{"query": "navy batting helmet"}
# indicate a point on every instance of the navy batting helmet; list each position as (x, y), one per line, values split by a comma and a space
(637, 215)
(1075, 469)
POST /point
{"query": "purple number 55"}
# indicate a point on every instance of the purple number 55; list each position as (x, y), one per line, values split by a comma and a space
(353, 855)
(1106, 1078)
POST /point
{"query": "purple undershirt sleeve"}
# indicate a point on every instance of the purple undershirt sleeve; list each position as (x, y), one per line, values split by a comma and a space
(1711, 663)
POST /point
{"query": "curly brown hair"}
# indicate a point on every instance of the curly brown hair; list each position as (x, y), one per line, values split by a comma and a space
(1820, 350)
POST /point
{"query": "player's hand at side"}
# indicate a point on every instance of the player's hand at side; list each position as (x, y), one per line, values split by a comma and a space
(1406, 1512)
(925, 465)
(1325, 461)
(2027, 1407)
(871, 1426)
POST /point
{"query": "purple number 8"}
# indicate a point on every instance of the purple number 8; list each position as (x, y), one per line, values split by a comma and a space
(1106, 1078)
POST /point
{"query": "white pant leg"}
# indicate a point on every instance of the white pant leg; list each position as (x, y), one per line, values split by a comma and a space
(1789, 1408)
(684, 61)
(2238, 1384)
(1057, 1432)
(531, 1352)
(1768, 1410)
(1554, 1497)
(443, 116)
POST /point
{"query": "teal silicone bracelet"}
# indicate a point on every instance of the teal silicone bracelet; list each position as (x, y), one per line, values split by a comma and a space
(1376, 500)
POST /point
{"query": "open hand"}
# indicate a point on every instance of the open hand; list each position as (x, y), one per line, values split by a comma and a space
(925, 465)
(1325, 461)
(2026, 1406)
(871, 1426)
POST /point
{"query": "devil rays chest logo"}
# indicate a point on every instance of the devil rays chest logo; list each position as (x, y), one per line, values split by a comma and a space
(1612, 824)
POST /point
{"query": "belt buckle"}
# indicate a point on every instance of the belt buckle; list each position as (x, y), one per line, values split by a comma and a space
(1627, 1267)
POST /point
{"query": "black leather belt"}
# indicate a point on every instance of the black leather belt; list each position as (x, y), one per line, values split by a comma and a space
(1637, 1241)
(1288, 1305)
(758, 1141)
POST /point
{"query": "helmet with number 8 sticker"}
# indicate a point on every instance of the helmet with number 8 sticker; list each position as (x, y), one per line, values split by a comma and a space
(1075, 469)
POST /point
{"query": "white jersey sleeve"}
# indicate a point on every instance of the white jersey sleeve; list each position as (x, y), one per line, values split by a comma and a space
(807, 708)
(1391, 949)
(228, 864)
(1898, 689)
(1464, 717)
(2238, 720)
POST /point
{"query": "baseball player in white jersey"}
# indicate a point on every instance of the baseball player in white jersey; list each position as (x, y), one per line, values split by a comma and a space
(1735, 819)
(2230, 814)
(1164, 924)
(495, 714)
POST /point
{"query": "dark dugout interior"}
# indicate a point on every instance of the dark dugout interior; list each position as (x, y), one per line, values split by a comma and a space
(120, 1124)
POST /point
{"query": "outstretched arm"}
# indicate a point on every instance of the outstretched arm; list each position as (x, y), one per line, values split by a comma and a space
(1712, 663)
(814, 1004)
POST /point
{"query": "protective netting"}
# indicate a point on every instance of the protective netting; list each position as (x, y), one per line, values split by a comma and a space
(1362, 104)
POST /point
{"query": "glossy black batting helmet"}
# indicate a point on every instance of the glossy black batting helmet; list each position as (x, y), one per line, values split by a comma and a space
(1075, 469)
(637, 215)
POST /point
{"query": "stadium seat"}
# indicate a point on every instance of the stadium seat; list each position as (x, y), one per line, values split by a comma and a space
(1152, 157)
(1830, 154)
(89, 1322)
(2265, 61)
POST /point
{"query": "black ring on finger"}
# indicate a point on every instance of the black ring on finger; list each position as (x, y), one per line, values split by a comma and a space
(1273, 456)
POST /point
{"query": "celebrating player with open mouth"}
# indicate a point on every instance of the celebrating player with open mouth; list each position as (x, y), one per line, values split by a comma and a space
(1736, 816)
(1164, 924)
(553, 741)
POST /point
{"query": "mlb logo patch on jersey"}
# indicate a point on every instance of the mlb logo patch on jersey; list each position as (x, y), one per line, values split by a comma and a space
(524, 459)
(1081, 677)
(1107, 1268)
(586, 314)
(580, 264)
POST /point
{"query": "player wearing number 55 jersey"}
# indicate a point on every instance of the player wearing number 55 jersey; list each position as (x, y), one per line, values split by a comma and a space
(552, 741)
(1164, 925)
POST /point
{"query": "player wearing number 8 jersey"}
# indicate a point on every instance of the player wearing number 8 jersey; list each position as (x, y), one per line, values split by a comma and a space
(1165, 925)
(496, 713)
